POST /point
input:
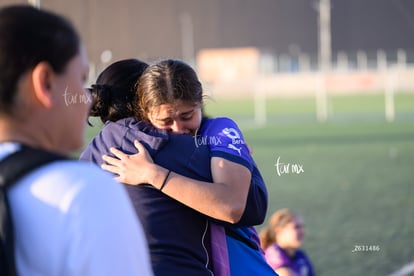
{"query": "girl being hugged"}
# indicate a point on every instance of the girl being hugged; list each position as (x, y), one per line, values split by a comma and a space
(170, 97)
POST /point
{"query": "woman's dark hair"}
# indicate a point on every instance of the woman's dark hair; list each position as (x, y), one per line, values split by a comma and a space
(166, 82)
(29, 36)
(114, 94)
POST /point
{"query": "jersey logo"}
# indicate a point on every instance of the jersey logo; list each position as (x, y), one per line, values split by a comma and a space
(231, 146)
(235, 139)
(231, 133)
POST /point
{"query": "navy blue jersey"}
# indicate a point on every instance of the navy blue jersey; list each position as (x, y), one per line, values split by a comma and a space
(177, 235)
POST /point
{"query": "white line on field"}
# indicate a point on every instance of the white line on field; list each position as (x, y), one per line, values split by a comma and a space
(405, 270)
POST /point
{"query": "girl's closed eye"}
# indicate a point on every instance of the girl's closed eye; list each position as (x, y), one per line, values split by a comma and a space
(167, 122)
(187, 117)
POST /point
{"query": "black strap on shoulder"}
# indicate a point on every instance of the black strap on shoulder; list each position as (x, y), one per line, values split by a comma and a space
(12, 168)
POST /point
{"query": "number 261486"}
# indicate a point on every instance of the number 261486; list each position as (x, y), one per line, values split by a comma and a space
(366, 248)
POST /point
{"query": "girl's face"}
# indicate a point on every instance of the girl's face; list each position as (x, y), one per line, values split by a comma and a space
(179, 117)
(291, 235)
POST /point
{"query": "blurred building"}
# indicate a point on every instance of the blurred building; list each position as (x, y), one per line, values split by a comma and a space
(234, 43)
(181, 28)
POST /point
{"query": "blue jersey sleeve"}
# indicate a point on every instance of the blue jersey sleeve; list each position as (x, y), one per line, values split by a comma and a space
(225, 140)
(257, 201)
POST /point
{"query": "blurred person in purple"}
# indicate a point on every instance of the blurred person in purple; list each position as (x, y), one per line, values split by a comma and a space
(281, 240)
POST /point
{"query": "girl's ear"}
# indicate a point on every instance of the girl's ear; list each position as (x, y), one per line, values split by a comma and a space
(42, 76)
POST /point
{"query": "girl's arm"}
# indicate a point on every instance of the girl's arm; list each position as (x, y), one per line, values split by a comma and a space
(225, 200)
(256, 203)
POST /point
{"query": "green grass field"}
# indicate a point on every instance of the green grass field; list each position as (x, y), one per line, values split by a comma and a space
(357, 187)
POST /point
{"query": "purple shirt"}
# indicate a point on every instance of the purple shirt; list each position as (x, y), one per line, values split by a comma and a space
(299, 264)
(225, 140)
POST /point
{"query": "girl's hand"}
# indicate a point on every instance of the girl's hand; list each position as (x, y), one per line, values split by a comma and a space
(131, 169)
